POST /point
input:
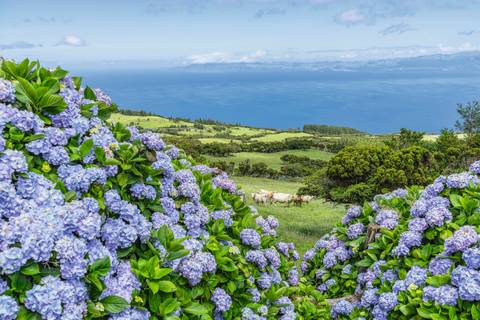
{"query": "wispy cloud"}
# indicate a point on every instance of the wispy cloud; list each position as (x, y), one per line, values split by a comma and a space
(468, 32)
(397, 29)
(71, 41)
(19, 45)
(351, 17)
(362, 54)
(226, 57)
(268, 12)
(40, 19)
(368, 12)
(178, 6)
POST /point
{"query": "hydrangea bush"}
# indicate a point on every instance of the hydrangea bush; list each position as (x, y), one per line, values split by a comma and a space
(410, 254)
(98, 220)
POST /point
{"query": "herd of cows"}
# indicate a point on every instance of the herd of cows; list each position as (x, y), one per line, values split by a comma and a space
(265, 197)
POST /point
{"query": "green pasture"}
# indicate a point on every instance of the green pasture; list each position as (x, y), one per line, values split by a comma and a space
(300, 225)
(281, 136)
(147, 122)
(273, 159)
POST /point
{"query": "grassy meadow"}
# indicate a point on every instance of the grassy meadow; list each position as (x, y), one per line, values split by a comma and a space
(273, 158)
(300, 225)
(206, 133)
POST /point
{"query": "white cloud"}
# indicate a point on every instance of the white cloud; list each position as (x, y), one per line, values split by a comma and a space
(226, 57)
(19, 45)
(398, 28)
(363, 54)
(468, 32)
(72, 41)
(268, 12)
(351, 16)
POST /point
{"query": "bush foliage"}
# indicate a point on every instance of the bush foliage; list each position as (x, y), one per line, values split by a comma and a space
(409, 254)
(102, 221)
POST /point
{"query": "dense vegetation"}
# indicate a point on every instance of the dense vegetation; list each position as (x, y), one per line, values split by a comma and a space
(330, 130)
(358, 172)
(102, 221)
(407, 255)
(99, 220)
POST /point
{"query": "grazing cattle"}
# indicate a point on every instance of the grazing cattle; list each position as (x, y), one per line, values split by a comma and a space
(281, 197)
(307, 199)
(298, 200)
(262, 196)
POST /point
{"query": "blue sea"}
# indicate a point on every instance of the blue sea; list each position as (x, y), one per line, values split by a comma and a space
(375, 102)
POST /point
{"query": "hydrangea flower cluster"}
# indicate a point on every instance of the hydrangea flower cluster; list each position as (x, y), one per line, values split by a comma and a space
(429, 241)
(76, 224)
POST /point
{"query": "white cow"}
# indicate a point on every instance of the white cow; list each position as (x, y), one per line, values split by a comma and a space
(281, 197)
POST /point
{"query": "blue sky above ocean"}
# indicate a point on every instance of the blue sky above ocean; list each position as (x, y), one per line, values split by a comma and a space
(205, 31)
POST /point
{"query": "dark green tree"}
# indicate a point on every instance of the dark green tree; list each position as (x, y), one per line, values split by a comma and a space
(469, 121)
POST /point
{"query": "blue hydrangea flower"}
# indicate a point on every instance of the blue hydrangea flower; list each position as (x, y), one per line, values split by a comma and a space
(8, 306)
(355, 230)
(387, 219)
(472, 257)
(221, 300)
(7, 91)
(250, 237)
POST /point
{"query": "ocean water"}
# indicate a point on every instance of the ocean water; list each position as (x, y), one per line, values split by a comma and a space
(376, 102)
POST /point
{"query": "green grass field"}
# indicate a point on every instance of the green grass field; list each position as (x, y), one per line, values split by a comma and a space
(280, 136)
(273, 159)
(209, 132)
(300, 225)
(147, 122)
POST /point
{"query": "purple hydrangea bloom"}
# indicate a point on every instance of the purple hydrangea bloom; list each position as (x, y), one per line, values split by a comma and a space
(342, 307)
(355, 230)
(387, 219)
(225, 215)
(222, 181)
(410, 239)
(418, 225)
(369, 298)
(7, 91)
(293, 277)
(439, 266)
(102, 96)
(443, 295)
(475, 167)
(131, 314)
(468, 282)
(143, 191)
(387, 301)
(54, 298)
(462, 239)
(152, 141)
(121, 283)
(352, 213)
(461, 180)
(417, 276)
(257, 257)
(472, 257)
(250, 237)
(437, 216)
(118, 234)
(268, 225)
(8, 307)
(221, 300)
(57, 156)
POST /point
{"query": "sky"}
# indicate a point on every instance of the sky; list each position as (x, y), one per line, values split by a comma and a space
(203, 31)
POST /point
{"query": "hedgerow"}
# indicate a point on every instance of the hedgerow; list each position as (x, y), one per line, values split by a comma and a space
(98, 220)
(410, 254)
